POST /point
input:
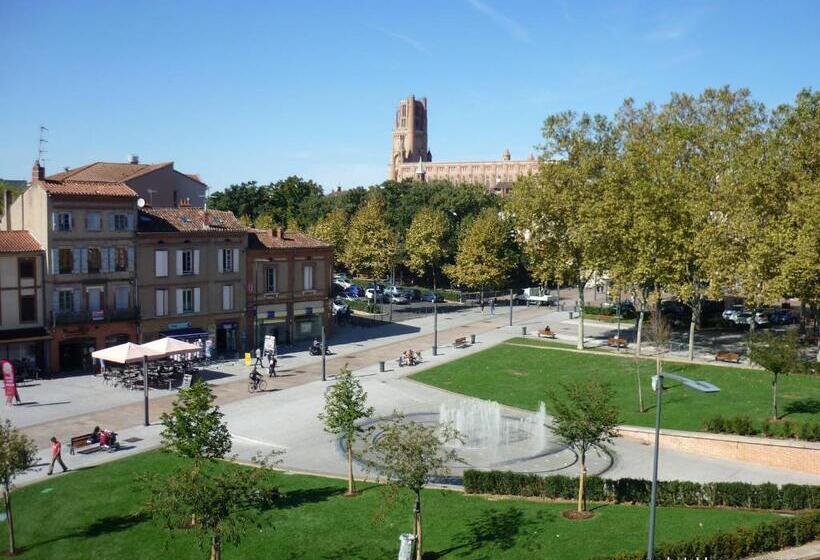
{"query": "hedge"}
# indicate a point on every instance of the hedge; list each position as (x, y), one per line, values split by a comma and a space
(637, 491)
(739, 543)
(744, 426)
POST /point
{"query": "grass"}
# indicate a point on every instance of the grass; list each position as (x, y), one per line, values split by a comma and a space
(521, 376)
(94, 513)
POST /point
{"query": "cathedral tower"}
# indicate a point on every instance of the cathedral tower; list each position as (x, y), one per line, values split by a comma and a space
(409, 134)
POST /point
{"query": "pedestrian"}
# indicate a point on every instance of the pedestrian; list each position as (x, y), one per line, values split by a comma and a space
(56, 455)
(258, 361)
(482, 305)
(271, 365)
(492, 306)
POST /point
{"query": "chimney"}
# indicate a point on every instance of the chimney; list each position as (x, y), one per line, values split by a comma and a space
(279, 232)
(184, 203)
(338, 189)
(133, 159)
(38, 172)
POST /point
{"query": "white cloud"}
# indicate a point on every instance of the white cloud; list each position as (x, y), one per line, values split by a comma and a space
(515, 29)
(409, 41)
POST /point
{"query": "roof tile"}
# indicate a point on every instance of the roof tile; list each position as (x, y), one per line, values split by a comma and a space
(269, 239)
(18, 241)
(88, 188)
(188, 219)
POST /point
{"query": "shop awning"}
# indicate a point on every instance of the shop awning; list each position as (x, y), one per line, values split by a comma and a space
(190, 332)
(24, 335)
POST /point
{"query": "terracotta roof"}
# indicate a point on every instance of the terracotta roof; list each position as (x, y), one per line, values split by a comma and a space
(268, 239)
(108, 172)
(18, 241)
(188, 219)
(88, 188)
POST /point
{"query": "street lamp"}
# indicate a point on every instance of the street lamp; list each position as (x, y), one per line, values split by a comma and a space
(435, 326)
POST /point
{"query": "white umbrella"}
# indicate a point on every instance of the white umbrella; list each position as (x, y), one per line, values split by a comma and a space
(125, 353)
(167, 346)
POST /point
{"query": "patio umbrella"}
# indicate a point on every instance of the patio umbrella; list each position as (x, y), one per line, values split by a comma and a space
(168, 346)
(129, 353)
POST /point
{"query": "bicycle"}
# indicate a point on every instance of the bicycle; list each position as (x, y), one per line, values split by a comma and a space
(260, 385)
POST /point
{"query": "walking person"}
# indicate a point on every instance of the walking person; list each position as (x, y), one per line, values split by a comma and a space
(271, 365)
(258, 361)
(481, 304)
(492, 306)
(56, 455)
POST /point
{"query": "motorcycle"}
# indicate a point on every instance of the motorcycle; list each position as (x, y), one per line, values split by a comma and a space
(317, 350)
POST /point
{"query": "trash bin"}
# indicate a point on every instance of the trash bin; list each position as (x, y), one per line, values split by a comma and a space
(570, 314)
(523, 331)
(472, 339)
(407, 546)
(381, 367)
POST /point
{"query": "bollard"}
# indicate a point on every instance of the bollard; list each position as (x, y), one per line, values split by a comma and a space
(472, 339)
(381, 367)
(570, 314)
(435, 350)
(523, 331)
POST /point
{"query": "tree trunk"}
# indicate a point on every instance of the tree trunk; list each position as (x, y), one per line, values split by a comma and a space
(351, 489)
(691, 353)
(216, 548)
(580, 344)
(582, 479)
(417, 526)
(774, 396)
(638, 336)
(9, 519)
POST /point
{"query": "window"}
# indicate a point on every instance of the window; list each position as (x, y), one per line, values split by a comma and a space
(161, 263)
(66, 261)
(28, 308)
(187, 262)
(61, 221)
(93, 221)
(26, 268)
(162, 302)
(270, 279)
(187, 300)
(121, 259)
(95, 300)
(227, 260)
(94, 260)
(227, 297)
(65, 301)
(308, 277)
(121, 297)
(121, 222)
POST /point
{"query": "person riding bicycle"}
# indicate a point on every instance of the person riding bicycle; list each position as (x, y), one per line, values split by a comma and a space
(255, 378)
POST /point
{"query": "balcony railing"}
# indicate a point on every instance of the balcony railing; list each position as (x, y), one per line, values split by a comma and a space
(107, 314)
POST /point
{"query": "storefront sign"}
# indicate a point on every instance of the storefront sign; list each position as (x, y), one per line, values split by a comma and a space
(175, 326)
(98, 315)
(9, 384)
(270, 344)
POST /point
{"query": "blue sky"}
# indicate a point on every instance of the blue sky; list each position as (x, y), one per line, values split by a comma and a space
(260, 90)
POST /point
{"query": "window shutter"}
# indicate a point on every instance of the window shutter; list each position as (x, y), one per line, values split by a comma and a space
(55, 301)
(159, 308)
(179, 262)
(179, 301)
(54, 218)
(130, 259)
(70, 221)
(77, 264)
(227, 304)
(84, 260)
(103, 259)
(130, 222)
(196, 300)
(220, 260)
(159, 269)
(110, 222)
(235, 260)
(77, 299)
(196, 261)
(55, 261)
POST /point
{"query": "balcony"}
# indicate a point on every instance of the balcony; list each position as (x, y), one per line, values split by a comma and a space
(107, 314)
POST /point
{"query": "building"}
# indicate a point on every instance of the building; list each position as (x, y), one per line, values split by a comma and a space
(87, 229)
(289, 279)
(191, 276)
(23, 336)
(158, 184)
(411, 157)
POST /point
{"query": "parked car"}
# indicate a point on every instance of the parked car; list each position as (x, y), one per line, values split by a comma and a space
(761, 318)
(730, 313)
(432, 298)
(342, 281)
(676, 312)
(782, 317)
(355, 291)
(392, 290)
(414, 294)
(742, 318)
(339, 306)
(399, 299)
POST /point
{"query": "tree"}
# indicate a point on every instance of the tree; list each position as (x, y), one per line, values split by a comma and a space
(333, 229)
(245, 199)
(584, 418)
(410, 455)
(345, 408)
(425, 240)
(485, 256)
(777, 354)
(370, 243)
(17, 453)
(194, 427)
(561, 213)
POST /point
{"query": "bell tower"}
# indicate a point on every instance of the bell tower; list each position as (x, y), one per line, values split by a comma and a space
(409, 135)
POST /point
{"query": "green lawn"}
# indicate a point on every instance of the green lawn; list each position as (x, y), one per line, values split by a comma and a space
(521, 376)
(93, 513)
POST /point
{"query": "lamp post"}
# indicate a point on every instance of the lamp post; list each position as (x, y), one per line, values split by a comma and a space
(324, 377)
(511, 306)
(435, 326)
(145, 386)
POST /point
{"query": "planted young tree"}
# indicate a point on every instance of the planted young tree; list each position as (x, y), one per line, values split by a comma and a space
(410, 455)
(584, 418)
(17, 453)
(345, 408)
(777, 354)
(425, 240)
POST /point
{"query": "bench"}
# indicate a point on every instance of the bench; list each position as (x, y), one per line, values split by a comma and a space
(546, 333)
(732, 357)
(78, 442)
(460, 342)
(617, 342)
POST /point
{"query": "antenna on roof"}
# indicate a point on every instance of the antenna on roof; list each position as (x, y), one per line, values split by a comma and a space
(41, 146)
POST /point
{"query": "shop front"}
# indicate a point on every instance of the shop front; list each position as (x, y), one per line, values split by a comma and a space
(227, 337)
(71, 345)
(186, 332)
(26, 349)
(308, 318)
(271, 320)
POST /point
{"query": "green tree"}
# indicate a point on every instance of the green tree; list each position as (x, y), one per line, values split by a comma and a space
(425, 241)
(17, 453)
(778, 354)
(194, 428)
(370, 243)
(345, 408)
(245, 199)
(410, 455)
(584, 418)
(333, 229)
(485, 255)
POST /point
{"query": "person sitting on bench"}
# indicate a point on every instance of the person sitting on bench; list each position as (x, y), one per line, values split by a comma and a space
(95, 435)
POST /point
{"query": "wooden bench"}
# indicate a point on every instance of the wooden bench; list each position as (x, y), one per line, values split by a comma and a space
(460, 342)
(81, 441)
(732, 357)
(546, 333)
(617, 342)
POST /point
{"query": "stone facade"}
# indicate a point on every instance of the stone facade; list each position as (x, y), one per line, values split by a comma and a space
(411, 157)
